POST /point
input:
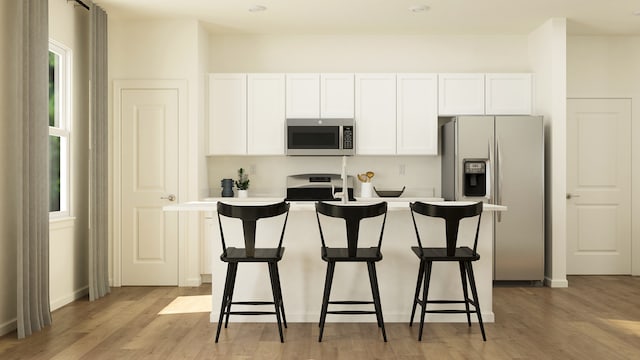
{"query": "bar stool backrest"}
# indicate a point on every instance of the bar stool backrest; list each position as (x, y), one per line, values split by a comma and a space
(352, 214)
(250, 214)
(452, 214)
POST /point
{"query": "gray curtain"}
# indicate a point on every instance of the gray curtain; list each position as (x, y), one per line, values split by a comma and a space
(33, 311)
(98, 166)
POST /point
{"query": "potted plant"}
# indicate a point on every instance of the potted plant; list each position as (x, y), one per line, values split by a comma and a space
(242, 184)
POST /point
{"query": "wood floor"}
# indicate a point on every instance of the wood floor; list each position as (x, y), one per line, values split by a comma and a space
(597, 317)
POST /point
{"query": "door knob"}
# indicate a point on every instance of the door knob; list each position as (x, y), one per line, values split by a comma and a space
(569, 196)
(171, 197)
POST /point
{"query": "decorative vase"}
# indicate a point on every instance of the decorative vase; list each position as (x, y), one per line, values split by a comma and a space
(243, 193)
(227, 187)
(366, 190)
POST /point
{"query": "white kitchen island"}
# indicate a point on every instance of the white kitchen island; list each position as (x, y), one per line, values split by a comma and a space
(302, 271)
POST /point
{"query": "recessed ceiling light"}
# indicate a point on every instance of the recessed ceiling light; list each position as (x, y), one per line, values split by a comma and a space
(257, 8)
(419, 8)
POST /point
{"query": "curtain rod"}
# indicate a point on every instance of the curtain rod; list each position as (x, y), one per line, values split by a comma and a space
(81, 3)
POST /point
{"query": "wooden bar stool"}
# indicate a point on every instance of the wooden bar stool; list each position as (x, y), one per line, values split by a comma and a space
(250, 254)
(465, 256)
(352, 214)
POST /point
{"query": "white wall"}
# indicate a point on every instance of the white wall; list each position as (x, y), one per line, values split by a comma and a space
(9, 201)
(608, 67)
(68, 260)
(547, 49)
(374, 53)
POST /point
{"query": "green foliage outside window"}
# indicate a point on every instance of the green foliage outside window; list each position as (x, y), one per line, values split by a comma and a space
(54, 141)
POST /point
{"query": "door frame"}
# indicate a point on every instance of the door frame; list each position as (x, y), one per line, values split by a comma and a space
(160, 84)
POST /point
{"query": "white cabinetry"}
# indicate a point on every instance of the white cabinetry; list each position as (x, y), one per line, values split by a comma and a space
(303, 96)
(508, 94)
(265, 114)
(375, 114)
(461, 94)
(417, 114)
(313, 96)
(227, 114)
(336, 96)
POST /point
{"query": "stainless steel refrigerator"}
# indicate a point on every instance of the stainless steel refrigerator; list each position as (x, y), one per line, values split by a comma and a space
(500, 160)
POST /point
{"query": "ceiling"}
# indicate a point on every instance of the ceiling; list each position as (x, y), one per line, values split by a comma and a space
(392, 17)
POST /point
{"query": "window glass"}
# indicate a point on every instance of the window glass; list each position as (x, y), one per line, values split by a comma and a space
(58, 129)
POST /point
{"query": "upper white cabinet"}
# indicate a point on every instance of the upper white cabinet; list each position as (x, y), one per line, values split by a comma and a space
(508, 94)
(313, 96)
(417, 114)
(461, 94)
(375, 114)
(227, 114)
(336, 96)
(265, 114)
(303, 96)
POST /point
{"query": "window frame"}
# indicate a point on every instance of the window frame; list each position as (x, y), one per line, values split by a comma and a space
(63, 125)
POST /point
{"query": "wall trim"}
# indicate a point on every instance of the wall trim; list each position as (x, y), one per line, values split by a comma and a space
(8, 327)
(80, 293)
(557, 283)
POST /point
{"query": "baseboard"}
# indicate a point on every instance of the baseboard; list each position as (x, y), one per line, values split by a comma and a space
(193, 282)
(562, 283)
(69, 299)
(8, 327)
(205, 278)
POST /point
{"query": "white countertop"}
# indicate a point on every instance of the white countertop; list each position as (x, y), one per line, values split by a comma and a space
(210, 204)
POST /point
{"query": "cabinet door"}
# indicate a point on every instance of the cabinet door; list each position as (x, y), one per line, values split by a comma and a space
(508, 94)
(417, 114)
(337, 96)
(303, 96)
(265, 114)
(461, 94)
(227, 114)
(375, 114)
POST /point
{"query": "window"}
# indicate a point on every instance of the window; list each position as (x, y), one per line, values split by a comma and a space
(59, 125)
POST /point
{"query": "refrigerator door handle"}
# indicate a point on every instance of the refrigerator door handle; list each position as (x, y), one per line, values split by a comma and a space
(489, 195)
(499, 177)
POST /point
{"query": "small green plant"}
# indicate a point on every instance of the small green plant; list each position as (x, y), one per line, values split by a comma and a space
(243, 180)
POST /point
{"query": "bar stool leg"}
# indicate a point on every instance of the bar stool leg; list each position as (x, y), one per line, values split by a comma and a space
(276, 299)
(232, 284)
(373, 277)
(425, 293)
(415, 297)
(224, 299)
(284, 318)
(465, 291)
(474, 291)
(325, 299)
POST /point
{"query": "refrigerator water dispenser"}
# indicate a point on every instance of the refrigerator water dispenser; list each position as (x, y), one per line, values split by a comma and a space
(475, 177)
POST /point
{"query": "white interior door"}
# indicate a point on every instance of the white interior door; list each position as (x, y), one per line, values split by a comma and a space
(149, 180)
(599, 186)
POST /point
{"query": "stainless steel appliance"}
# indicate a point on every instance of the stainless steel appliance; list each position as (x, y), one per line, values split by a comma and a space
(315, 187)
(500, 160)
(320, 137)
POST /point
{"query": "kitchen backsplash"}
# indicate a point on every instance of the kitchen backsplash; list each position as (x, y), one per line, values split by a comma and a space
(420, 174)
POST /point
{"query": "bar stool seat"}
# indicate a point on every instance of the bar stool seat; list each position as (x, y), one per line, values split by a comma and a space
(342, 254)
(233, 256)
(440, 254)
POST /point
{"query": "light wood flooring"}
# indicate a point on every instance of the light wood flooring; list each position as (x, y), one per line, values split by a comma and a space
(597, 317)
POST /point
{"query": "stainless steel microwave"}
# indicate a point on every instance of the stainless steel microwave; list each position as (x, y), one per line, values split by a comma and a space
(320, 137)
